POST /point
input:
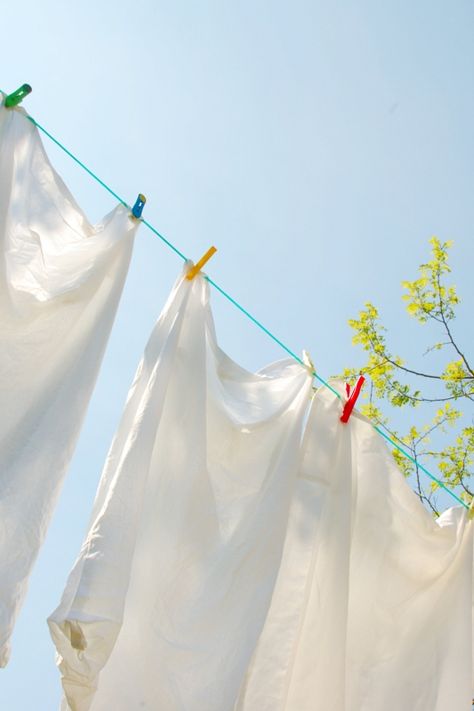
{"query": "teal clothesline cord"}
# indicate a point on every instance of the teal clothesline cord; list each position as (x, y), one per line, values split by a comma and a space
(269, 333)
(245, 312)
(420, 466)
(71, 155)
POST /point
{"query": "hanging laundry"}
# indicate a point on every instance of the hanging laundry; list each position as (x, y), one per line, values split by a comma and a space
(60, 283)
(372, 609)
(231, 565)
(165, 604)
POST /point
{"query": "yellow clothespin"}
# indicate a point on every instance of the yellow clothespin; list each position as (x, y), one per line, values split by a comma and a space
(199, 265)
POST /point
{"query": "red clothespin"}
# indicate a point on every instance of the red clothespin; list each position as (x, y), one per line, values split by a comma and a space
(352, 399)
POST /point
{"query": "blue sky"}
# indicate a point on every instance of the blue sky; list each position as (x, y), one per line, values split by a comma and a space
(318, 145)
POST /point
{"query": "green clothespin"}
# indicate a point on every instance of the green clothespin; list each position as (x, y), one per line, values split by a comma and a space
(17, 96)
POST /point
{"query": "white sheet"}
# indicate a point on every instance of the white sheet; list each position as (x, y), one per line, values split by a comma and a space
(372, 607)
(60, 283)
(176, 574)
(184, 598)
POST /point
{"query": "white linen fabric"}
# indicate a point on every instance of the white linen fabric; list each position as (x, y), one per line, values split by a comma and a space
(60, 283)
(232, 565)
(175, 577)
(372, 607)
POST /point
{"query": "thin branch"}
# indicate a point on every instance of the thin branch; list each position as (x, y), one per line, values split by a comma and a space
(466, 489)
(436, 347)
(430, 430)
(461, 475)
(445, 323)
(393, 434)
(367, 371)
(435, 399)
(387, 359)
(413, 398)
(409, 370)
(421, 494)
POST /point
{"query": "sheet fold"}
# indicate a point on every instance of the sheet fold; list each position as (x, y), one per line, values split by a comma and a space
(167, 599)
(60, 283)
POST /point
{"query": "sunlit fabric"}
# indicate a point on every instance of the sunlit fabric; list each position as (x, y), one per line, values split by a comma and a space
(249, 552)
(60, 283)
(372, 608)
(175, 577)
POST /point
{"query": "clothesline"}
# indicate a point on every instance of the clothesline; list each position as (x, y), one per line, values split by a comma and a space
(245, 312)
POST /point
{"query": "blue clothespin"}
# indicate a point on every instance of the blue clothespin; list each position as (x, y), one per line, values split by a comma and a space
(17, 96)
(137, 209)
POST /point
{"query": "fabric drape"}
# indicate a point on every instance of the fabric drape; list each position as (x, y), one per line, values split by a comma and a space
(249, 552)
(188, 526)
(372, 608)
(60, 282)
